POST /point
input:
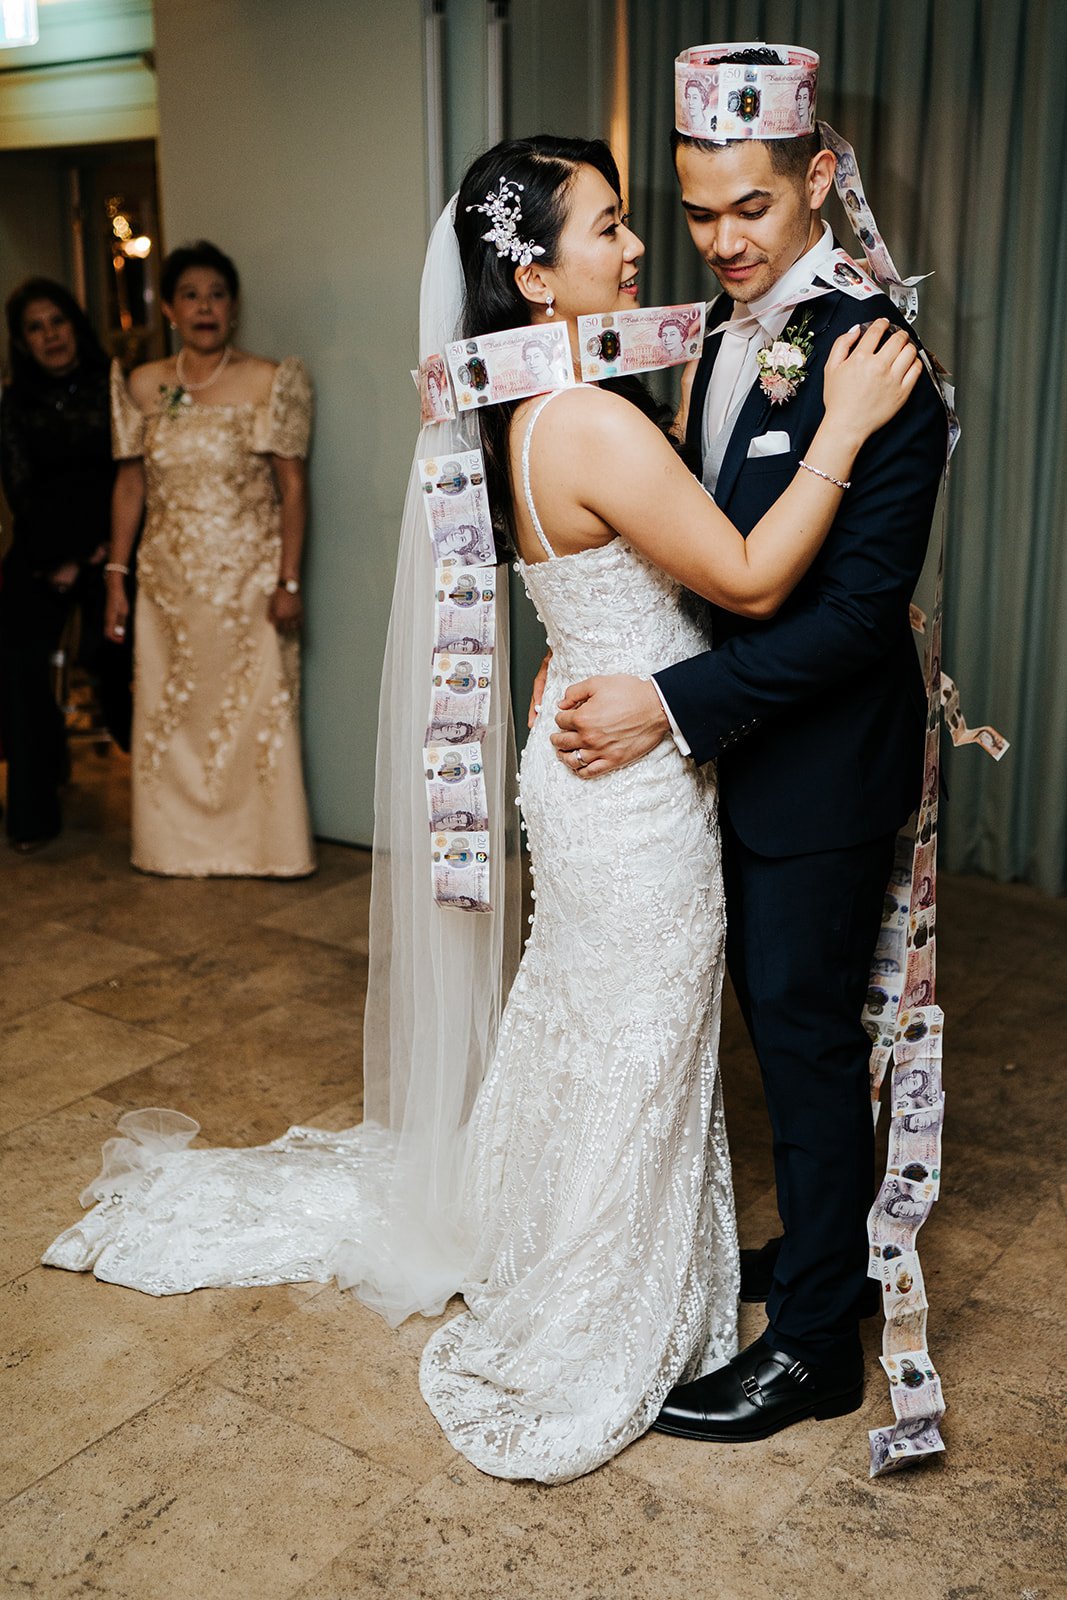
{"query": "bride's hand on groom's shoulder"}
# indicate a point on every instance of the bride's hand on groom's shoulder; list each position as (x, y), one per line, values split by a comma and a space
(608, 722)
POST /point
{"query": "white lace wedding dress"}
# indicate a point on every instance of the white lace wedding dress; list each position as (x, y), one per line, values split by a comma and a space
(601, 1246)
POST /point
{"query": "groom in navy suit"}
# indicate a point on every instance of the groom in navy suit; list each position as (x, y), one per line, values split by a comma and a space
(816, 719)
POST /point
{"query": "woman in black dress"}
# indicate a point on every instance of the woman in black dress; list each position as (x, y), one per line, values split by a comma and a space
(57, 472)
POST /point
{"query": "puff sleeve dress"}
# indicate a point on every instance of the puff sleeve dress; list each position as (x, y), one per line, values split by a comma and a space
(216, 779)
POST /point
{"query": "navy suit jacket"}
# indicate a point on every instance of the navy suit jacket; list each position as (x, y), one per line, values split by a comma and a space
(817, 715)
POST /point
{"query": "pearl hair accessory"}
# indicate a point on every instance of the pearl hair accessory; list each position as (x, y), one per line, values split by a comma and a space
(504, 208)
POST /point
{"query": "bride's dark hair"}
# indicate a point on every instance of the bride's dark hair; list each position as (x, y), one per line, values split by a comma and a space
(545, 166)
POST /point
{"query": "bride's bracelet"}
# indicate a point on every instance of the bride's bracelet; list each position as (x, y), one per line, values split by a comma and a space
(842, 483)
(116, 566)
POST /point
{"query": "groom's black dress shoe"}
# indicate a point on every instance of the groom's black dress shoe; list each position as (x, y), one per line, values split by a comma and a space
(759, 1392)
(757, 1275)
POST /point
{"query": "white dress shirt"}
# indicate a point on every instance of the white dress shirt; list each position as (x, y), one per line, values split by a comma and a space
(750, 328)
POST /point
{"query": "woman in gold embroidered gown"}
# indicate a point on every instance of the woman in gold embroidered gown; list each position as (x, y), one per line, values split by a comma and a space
(211, 445)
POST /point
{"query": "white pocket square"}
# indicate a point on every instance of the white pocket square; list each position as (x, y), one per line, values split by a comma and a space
(770, 444)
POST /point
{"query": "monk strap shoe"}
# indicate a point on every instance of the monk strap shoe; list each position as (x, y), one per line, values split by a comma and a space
(759, 1392)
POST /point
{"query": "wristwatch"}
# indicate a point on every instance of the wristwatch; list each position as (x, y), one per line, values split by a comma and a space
(290, 585)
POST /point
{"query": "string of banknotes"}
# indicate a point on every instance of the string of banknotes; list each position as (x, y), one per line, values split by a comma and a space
(906, 1028)
(901, 1015)
(471, 373)
(461, 675)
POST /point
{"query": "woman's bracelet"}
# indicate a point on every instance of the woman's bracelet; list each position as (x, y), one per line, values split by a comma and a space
(842, 483)
(116, 566)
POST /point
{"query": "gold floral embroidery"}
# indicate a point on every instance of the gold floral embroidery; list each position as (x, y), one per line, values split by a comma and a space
(208, 564)
(280, 716)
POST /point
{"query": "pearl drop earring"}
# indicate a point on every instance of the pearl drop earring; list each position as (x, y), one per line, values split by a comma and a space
(550, 304)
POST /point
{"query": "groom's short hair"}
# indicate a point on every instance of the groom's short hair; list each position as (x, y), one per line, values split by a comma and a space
(789, 157)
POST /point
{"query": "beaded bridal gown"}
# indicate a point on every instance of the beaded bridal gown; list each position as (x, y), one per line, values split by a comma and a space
(600, 1251)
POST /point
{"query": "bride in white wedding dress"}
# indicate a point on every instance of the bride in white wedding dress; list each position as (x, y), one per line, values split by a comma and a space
(568, 1172)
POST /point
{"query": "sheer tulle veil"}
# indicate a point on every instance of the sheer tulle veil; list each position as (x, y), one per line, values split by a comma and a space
(438, 978)
(380, 1206)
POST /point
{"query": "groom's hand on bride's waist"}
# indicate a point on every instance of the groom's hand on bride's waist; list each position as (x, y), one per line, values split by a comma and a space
(607, 722)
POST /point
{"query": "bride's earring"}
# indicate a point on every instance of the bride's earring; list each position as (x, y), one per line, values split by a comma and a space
(550, 304)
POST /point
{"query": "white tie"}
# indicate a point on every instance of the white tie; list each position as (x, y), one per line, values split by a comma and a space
(724, 389)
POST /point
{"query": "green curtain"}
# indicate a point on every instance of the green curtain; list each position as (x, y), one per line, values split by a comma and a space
(958, 115)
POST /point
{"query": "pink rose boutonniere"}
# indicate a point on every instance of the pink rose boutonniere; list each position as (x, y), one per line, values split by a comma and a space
(782, 364)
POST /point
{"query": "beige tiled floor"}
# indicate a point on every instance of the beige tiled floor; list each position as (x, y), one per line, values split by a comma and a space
(272, 1443)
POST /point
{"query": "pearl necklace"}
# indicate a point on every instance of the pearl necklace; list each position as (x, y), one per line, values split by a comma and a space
(193, 388)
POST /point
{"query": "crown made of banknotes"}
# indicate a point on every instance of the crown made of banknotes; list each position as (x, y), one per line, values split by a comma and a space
(772, 98)
(504, 209)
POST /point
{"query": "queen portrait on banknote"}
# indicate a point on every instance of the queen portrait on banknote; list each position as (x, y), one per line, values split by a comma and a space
(547, 1142)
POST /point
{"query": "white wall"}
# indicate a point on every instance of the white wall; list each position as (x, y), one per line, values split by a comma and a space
(88, 79)
(293, 136)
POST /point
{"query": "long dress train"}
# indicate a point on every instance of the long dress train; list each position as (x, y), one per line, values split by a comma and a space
(601, 1247)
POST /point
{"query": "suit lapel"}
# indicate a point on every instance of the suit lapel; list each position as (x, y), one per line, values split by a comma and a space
(694, 440)
(757, 409)
(751, 421)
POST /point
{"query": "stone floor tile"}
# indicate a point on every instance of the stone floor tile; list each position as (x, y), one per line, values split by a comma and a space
(267, 979)
(339, 1369)
(324, 974)
(46, 960)
(41, 887)
(81, 1357)
(750, 1486)
(932, 1521)
(463, 1536)
(177, 915)
(1015, 1581)
(1016, 1100)
(44, 1166)
(999, 922)
(1026, 1011)
(949, 1247)
(859, 1547)
(336, 916)
(201, 1494)
(60, 1053)
(346, 1113)
(992, 1348)
(196, 994)
(992, 1189)
(1025, 1277)
(759, 1220)
(248, 1084)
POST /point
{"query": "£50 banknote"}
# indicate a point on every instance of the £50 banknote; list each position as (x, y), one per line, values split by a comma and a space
(616, 342)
